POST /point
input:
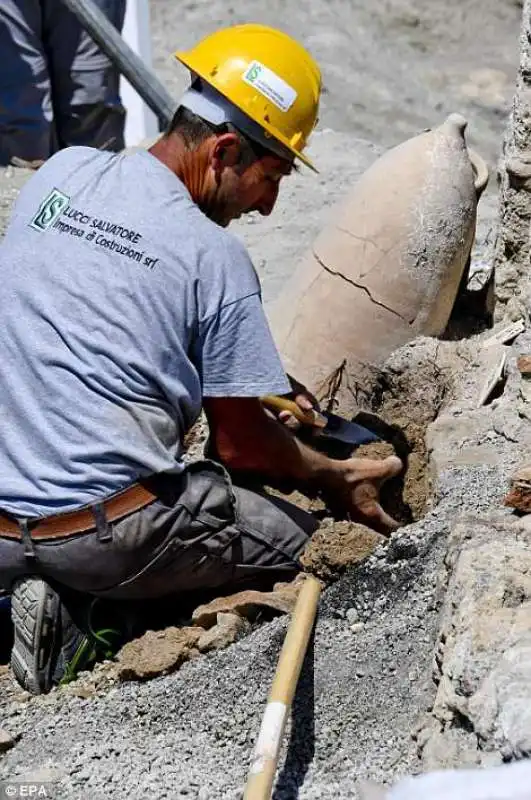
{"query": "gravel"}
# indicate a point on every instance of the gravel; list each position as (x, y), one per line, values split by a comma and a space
(361, 695)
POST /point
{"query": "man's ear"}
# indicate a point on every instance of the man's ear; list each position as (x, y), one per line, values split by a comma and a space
(226, 151)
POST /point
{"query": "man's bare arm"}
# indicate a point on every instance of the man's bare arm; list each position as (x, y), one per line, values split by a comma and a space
(246, 438)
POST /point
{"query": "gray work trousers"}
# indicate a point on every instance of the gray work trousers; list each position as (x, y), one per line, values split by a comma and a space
(203, 532)
(56, 86)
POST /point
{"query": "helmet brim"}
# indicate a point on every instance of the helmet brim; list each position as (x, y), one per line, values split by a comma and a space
(211, 105)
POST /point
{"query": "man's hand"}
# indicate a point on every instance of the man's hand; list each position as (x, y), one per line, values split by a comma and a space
(358, 491)
(304, 399)
(246, 439)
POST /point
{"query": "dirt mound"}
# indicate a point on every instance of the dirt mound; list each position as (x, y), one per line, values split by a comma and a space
(337, 546)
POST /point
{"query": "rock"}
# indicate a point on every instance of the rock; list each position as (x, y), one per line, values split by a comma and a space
(483, 656)
(157, 653)
(519, 496)
(249, 604)
(525, 523)
(336, 546)
(195, 440)
(6, 741)
(454, 748)
(401, 548)
(228, 629)
(512, 248)
(524, 365)
(352, 615)
(357, 627)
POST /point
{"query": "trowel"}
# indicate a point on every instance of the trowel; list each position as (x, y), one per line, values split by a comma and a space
(325, 425)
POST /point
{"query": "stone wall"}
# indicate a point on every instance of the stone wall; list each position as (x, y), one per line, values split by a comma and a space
(512, 251)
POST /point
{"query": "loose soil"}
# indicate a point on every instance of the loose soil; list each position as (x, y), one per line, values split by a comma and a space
(337, 546)
(406, 402)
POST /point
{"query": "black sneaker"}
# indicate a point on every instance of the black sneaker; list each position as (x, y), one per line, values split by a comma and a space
(36, 613)
(49, 648)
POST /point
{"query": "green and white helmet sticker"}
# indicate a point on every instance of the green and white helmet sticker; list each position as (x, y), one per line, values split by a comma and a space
(270, 85)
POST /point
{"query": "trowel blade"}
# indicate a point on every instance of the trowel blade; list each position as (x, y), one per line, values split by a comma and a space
(344, 431)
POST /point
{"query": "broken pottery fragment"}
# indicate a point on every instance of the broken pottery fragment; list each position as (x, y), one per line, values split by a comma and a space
(519, 495)
(249, 604)
(228, 629)
(524, 365)
(386, 268)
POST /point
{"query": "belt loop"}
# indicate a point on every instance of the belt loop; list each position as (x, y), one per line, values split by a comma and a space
(102, 525)
(29, 550)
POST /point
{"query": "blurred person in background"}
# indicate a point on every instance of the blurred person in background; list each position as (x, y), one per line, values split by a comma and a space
(57, 88)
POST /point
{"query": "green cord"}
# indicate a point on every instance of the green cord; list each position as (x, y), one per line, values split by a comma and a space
(87, 650)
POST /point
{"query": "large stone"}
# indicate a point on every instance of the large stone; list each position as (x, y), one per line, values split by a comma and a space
(455, 748)
(483, 658)
(157, 653)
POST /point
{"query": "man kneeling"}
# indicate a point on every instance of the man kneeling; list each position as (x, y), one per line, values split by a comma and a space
(127, 308)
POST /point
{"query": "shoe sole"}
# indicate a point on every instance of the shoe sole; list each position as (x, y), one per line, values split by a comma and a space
(34, 610)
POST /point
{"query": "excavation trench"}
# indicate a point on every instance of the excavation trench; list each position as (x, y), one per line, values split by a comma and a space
(407, 402)
(403, 399)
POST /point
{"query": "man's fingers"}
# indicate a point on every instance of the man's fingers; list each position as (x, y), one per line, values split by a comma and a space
(367, 508)
(376, 470)
(304, 402)
(374, 516)
(287, 419)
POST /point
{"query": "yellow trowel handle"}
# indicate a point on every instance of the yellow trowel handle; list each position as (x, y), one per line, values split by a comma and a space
(313, 417)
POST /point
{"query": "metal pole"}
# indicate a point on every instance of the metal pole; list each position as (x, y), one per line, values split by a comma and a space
(146, 83)
(265, 756)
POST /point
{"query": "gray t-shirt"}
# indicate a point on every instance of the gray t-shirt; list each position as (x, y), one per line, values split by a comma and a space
(122, 306)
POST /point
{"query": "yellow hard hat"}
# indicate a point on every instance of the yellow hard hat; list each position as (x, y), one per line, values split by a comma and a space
(267, 75)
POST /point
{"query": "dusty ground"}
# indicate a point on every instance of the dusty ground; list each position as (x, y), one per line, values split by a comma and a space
(390, 70)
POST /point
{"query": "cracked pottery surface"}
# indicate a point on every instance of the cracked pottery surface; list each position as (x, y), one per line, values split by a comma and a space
(385, 269)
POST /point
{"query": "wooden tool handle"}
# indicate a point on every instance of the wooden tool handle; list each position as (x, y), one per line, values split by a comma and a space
(267, 748)
(313, 417)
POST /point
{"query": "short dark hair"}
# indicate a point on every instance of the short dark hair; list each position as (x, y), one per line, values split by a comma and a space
(194, 130)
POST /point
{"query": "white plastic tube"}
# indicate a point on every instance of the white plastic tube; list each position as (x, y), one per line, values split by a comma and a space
(141, 122)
